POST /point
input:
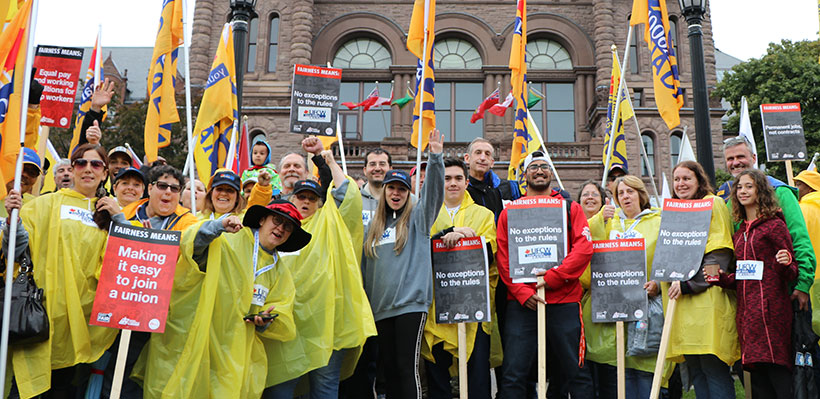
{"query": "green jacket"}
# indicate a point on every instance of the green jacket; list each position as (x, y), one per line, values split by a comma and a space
(803, 250)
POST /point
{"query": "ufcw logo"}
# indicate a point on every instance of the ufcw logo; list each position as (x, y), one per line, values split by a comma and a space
(538, 252)
(314, 113)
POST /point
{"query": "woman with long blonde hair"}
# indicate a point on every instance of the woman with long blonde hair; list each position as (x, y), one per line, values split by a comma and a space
(398, 276)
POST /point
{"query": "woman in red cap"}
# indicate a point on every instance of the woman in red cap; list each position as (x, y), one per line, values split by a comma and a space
(228, 291)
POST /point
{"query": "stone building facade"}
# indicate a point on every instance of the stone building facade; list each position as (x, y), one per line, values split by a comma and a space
(570, 62)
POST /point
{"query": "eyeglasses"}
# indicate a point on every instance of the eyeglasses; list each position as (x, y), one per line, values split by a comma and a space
(543, 166)
(162, 186)
(281, 221)
(96, 164)
(306, 197)
(591, 194)
(611, 178)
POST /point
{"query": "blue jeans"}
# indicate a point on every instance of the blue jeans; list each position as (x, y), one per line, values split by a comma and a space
(638, 384)
(710, 376)
(324, 381)
(521, 343)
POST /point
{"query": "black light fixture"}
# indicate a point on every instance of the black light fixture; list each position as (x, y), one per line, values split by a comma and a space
(242, 12)
(693, 11)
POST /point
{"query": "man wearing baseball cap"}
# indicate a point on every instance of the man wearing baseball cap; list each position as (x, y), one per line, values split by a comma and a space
(562, 297)
(118, 158)
(31, 171)
(233, 293)
(615, 171)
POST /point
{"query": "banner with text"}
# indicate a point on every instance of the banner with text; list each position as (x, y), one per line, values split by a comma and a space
(314, 102)
(461, 281)
(682, 239)
(136, 278)
(58, 70)
(618, 272)
(537, 236)
(783, 132)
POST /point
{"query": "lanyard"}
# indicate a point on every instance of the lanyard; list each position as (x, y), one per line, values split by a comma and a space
(256, 273)
(632, 226)
(452, 212)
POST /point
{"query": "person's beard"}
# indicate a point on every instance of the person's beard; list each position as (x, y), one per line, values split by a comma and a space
(376, 184)
(539, 186)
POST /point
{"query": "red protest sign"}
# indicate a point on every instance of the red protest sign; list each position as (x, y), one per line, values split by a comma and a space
(58, 70)
(136, 279)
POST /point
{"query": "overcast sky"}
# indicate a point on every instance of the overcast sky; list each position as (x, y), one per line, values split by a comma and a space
(742, 29)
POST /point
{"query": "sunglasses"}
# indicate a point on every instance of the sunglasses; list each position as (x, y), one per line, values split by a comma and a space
(96, 164)
(281, 221)
(162, 186)
(306, 197)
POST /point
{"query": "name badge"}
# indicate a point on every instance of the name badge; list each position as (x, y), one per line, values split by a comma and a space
(260, 293)
(749, 270)
(619, 235)
(388, 237)
(83, 216)
(366, 216)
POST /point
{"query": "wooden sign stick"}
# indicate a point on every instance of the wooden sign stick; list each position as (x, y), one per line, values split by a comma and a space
(619, 339)
(542, 346)
(667, 326)
(790, 173)
(462, 361)
(119, 369)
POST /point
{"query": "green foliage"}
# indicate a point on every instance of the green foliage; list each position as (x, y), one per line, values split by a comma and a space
(125, 123)
(722, 176)
(789, 72)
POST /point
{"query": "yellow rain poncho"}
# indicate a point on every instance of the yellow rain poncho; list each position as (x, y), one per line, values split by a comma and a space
(600, 337)
(331, 310)
(704, 323)
(207, 349)
(66, 250)
(481, 220)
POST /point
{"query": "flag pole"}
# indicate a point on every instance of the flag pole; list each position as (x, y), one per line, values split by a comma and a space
(381, 111)
(98, 60)
(424, 56)
(15, 213)
(341, 146)
(189, 162)
(616, 110)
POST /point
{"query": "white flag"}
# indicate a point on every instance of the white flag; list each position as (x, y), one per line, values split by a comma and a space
(745, 129)
(665, 192)
(685, 153)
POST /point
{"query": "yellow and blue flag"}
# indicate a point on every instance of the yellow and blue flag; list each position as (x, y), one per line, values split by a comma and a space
(623, 113)
(665, 78)
(13, 43)
(162, 76)
(93, 77)
(524, 141)
(217, 112)
(422, 25)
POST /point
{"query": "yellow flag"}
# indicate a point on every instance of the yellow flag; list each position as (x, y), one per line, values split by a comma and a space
(665, 78)
(624, 112)
(162, 75)
(524, 141)
(425, 91)
(217, 112)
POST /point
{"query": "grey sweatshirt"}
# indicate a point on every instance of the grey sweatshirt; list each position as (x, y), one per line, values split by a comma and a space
(403, 283)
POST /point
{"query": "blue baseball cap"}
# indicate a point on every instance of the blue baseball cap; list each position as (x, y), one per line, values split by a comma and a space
(308, 185)
(226, 177)
(129, 171)
(396, 175)
(30, 156)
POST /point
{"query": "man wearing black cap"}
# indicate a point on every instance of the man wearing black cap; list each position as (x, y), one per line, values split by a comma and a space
(615, 172)
(416, 174)
(128, 186)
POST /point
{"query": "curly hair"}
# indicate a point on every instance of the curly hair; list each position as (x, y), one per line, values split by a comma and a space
(704, 186)
(767, 204)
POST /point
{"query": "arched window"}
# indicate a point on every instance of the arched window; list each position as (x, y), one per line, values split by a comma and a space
(453, 53)
(674, 146)
(362, 53)
(253, 33)
(648, 144)
(273, 42)
(547, 54)
(256, 135)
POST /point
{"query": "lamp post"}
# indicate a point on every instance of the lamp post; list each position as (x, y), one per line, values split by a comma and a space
(242, 11)
(694, 10)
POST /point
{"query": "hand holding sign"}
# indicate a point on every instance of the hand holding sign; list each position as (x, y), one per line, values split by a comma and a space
(232, 224)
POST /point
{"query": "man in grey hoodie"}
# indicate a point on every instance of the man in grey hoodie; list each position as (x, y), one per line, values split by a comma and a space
(376, 163)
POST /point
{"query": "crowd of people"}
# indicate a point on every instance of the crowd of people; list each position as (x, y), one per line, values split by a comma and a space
(289, 285)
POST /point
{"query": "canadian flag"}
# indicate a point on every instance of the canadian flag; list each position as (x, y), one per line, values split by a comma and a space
(488, 102)
(372, 100)
(500, 109)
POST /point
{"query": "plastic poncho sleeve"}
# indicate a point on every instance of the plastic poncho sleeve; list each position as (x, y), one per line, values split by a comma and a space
(260, 195)
(350, 209)
(803, 250)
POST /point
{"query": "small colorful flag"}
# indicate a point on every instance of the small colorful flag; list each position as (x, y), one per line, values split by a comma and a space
(401, 102)
(501, 109)
(373, 100)
(488, 102)
(534, 98)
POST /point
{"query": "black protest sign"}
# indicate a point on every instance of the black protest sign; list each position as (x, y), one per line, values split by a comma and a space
(461, 281)
(537, 236)
(314, 102)
(682, 239)
(618, 273)
(783, 132)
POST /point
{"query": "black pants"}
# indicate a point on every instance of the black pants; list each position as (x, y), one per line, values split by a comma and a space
(66, 383)
(361, 384)
(478, 370)
(399, 354)
(771, 381)
(130, 389)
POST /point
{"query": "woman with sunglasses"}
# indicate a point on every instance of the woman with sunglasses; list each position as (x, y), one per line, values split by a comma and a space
(702, 330)
(161, 210)
(397, 268)
(66, 250)
(230, 291)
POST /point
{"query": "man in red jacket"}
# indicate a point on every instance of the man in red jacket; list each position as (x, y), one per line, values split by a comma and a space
(565, 345)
